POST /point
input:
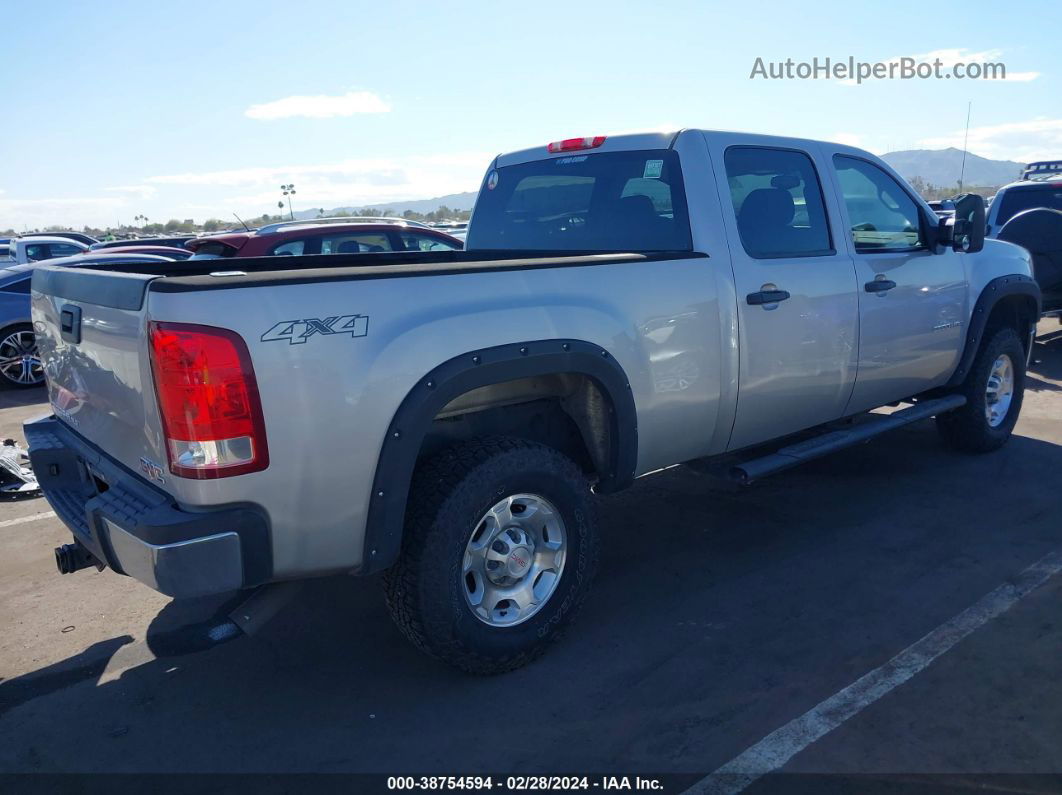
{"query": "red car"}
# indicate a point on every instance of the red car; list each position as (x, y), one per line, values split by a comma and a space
(317, 237)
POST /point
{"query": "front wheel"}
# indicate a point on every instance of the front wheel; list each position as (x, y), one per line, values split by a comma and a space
(994, 389)
(498, 553)
(20, 365)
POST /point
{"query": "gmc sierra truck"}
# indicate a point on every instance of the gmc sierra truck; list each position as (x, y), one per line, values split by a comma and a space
(626, 303)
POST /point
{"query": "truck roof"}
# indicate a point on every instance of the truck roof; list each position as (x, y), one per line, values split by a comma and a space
(625, 142)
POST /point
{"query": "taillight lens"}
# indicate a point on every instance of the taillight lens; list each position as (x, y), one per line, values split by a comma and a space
(208, 399)
(575, 144)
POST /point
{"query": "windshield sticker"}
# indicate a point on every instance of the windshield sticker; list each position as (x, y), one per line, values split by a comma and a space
(653, 169)
(492, 180)
(566, 161)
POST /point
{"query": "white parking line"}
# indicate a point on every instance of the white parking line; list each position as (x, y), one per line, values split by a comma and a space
(778, 747)
(24, 519)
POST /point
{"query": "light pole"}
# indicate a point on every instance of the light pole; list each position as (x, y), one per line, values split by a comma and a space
(289, 191)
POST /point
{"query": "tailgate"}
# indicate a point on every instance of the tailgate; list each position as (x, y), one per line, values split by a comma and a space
(90, 328)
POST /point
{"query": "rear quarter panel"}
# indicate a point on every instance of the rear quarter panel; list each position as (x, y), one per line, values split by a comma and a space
(327, 402)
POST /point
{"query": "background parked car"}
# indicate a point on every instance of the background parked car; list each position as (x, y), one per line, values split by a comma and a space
(177, 241)
(34, 248)
(1029, 213)
(316, 237)
(20, 367)
(1040, 186)
(80, 237)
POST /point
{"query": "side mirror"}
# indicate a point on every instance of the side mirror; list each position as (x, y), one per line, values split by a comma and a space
(967, 224)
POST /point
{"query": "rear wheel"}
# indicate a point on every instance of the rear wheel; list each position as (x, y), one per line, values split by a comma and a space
(994, 389)
(499, 551)
(20, 365)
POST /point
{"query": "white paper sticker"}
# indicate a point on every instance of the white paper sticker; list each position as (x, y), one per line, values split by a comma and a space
(653, 169)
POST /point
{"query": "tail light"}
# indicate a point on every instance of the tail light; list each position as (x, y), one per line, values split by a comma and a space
(208, 399)
(574, 144)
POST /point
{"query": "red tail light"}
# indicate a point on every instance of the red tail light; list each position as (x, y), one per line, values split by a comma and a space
(208, 399)
(574, 144)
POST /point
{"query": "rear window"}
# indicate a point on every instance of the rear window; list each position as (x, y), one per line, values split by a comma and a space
(609, 201)
(213, 249)
(1015, 200)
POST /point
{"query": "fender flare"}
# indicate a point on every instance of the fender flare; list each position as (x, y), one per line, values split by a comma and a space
(993, 292)
(412, 420)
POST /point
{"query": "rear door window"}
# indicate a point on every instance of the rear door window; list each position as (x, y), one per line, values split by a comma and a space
(778, 202)
(608, 201)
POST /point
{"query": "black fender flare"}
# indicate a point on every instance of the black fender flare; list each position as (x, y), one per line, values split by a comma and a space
(412, 420)
(993, 292)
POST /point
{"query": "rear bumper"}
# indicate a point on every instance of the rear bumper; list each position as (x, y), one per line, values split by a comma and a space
(138, 530)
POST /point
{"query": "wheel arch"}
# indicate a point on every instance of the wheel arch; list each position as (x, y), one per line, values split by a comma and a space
(462, 374)
(1006, 300)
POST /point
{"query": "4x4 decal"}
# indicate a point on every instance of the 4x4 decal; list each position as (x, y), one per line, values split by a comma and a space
(296, 332)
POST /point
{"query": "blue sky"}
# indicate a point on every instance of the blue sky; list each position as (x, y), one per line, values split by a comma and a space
(194, 109)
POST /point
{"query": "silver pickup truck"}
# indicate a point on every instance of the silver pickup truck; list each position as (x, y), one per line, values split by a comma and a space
(626, 303)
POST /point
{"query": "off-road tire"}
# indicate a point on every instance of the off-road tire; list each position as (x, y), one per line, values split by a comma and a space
(966, 429)
(449, 495)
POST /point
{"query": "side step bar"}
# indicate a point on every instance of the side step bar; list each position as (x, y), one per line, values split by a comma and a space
(832, 441)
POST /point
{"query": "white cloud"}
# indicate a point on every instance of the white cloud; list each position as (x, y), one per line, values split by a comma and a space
(75, 211)
(951, 56)
(139, 191)
(349, 182)
(1021, 77)
(319, 106)
(1034, 139)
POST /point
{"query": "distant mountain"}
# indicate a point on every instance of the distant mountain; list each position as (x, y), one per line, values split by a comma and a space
(941, 167)
(455, 201)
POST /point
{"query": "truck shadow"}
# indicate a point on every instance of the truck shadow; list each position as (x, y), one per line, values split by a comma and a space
(1046, 363)
(716, 614)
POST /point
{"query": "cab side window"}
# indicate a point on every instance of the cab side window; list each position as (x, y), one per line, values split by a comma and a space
(778, 202)
(882, 215)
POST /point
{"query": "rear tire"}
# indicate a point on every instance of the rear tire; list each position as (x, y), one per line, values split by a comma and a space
(499, 551)
(20, 364)
(994, 389)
